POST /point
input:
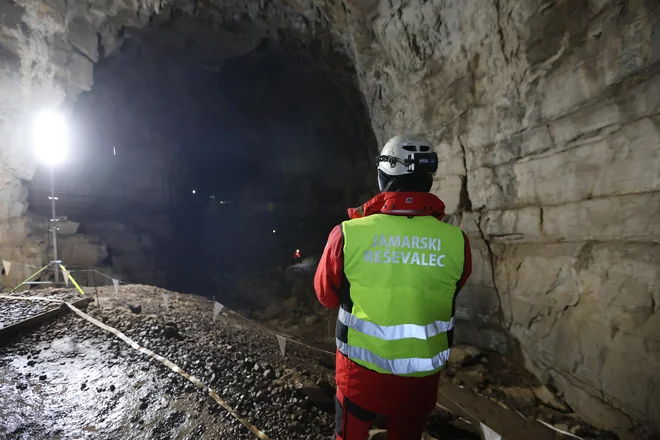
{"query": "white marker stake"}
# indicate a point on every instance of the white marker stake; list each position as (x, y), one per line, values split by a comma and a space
(282, 342)
(7, 266)
(116, 284)
(65, 274)
(166, 302)
(489, 434)
(217, 308)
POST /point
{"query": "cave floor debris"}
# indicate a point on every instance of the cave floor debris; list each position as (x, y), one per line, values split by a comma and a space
(14, 311)
(70, 379)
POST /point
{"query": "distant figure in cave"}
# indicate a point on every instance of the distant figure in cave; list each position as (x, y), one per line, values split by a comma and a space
(296, 256)
(394, 270)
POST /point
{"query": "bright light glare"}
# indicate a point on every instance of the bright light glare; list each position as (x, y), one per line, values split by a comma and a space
(273, 231)
(51, 137)
(194, 191)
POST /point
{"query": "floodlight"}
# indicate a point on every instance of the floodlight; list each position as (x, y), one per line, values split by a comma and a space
(51, 137)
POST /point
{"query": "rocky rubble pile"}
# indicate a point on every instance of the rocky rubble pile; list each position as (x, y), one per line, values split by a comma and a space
(496, 378)
(298, 307)
(243, 367)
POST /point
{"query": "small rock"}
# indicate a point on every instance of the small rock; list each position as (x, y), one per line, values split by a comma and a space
(135, 308)
(21, 386)
(311, 320)
(144, 405)
(481, 368)
(43, 377)
(112, 388)
(561, 426)
(519, 393)
(463, 354)
(548, 398)
(172, 332)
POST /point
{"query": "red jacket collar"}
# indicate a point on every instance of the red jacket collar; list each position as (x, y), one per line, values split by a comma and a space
(401, 203)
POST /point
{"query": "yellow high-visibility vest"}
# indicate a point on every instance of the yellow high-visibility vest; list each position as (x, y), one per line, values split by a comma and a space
(402, 274)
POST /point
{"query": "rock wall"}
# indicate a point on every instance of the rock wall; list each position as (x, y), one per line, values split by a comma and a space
(546, 114)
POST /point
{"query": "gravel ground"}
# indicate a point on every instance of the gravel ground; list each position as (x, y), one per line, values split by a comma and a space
(13, 311)
(69, 379)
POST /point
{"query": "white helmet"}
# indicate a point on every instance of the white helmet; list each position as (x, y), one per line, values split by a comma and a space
(406, 155)
(396, 156)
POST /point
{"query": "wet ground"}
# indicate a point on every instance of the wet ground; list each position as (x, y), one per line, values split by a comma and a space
(69, 379)
(13, 311)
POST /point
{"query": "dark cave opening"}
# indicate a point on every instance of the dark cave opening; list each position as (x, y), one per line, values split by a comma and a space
(198, 168)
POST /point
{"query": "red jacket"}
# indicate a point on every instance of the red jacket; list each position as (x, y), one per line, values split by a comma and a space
(380, 393)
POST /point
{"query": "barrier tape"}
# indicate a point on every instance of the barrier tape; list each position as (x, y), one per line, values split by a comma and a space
(23, 264)
(276, 334)
(458, 405)
(30, 277)
(199, 384)
(285, 337)
(561, 431)
(75, 283)
(107, 276)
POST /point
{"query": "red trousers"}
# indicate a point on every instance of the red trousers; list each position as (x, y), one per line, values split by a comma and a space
(353, 423)
(363, 394)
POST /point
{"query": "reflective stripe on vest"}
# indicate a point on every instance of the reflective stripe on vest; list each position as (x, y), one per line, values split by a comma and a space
(393, 332)
(397, 315)
(395, 366)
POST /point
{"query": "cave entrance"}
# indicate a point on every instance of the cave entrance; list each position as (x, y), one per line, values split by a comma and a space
(206, 157)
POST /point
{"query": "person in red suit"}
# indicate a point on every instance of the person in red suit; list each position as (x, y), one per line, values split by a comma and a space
(363, 393)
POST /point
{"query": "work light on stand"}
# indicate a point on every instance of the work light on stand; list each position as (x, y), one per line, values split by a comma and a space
(51, 140)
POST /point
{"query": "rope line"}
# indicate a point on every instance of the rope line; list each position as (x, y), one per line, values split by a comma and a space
(108, 276)
(268, 330)
(199, 384)
(285, 337)
(458, 405)
(23, 264)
